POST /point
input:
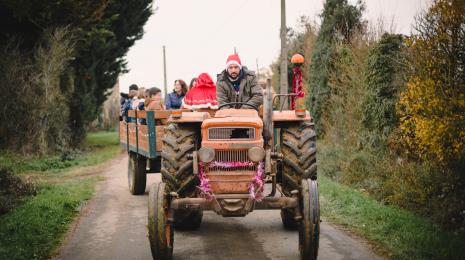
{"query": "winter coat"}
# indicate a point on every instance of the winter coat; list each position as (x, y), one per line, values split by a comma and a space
(173, 101)
(249, 91)
(202, 95)
(154, 105)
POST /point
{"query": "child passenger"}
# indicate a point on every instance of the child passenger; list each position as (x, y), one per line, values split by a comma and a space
(202, 95)
(154, 102)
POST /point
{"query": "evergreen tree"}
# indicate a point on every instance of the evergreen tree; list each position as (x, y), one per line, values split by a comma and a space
(383, 81)
(99, 33)
(101, 60)
(339, 22)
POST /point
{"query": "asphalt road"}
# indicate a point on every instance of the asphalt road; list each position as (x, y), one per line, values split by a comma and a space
(113, 226)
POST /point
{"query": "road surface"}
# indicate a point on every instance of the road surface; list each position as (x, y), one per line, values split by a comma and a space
(113, 226)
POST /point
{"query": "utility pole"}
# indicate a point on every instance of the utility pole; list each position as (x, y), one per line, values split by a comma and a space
(258, 71)
(165, 87)
(283, 77)
(235, 52)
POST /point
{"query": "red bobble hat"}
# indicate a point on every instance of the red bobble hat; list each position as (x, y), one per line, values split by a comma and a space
(233, 59)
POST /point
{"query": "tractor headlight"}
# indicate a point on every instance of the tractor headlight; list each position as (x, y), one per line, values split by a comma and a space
(206, 154)
(256, 154)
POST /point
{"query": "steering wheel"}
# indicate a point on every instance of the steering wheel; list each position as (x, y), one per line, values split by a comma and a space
(236, 103)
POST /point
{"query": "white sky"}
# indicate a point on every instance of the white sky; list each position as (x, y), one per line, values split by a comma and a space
(199, 35)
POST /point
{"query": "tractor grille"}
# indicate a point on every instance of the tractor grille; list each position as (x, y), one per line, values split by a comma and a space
(228, 133)
(231, 156)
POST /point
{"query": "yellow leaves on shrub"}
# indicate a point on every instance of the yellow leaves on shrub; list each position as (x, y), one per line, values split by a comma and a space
(432, 107)
(428, 122)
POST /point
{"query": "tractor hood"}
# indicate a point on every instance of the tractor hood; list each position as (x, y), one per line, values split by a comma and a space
(234, 118)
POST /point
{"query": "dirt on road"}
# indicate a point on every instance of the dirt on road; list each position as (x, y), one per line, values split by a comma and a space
(114, 226)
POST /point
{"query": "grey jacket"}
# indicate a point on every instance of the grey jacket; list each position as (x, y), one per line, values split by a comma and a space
(249, 91)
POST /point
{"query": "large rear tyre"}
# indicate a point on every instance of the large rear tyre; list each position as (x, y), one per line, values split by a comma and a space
(137, 176)
(161, 235)
(176, 163)
(298, 146)
(187, 219)
(309, 228)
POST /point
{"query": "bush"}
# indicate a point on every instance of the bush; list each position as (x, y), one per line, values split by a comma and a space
(13, 190)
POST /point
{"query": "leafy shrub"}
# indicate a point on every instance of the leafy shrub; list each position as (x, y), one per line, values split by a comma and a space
(13, 190)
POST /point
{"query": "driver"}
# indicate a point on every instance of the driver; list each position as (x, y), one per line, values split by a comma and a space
(237, 84)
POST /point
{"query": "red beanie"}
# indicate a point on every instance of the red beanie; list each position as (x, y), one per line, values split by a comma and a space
(233, 59)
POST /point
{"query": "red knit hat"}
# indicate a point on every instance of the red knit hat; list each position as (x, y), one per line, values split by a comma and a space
(233, 59)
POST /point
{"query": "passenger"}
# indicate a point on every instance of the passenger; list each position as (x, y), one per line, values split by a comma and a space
(154, 99)
(154, 102)
(174, 99)
(124, 97)
(192, 84)
(138, 101)
(237, 84)
(123, 102)
(202, 95)
(128, 105)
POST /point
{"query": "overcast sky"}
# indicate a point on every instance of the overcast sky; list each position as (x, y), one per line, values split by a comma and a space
(200, 34)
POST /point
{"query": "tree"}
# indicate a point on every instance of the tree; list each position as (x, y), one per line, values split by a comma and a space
(101, 62)
(98, 36)
(383, 81)
(339, 22)
(432, 107)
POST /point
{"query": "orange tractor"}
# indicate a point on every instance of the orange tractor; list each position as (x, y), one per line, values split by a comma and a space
(220, 163)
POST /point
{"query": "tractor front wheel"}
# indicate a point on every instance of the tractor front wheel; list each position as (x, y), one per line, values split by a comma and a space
(309, 228)
(161, 233)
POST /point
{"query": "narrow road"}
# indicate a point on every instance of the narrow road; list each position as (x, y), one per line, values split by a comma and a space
(113, 226)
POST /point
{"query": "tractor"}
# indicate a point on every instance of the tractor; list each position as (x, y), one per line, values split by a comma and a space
(221, 160)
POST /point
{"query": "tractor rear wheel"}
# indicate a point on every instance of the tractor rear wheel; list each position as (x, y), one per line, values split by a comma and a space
(176, 164)
(137, 176)
(298, 146)
(309, 227)
(161, 235)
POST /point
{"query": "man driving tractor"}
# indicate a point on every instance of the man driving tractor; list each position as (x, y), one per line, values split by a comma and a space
(236, 84)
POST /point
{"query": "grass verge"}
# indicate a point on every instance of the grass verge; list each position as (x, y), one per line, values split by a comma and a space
(37, 226)
(98, 147)
(400, 233)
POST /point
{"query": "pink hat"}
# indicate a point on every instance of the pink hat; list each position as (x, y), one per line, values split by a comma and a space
(233, 59)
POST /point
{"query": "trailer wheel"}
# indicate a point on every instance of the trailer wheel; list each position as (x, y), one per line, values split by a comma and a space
(155, 164)
(287, 217)
(309, 228)
(161, 235)
(137, 176)
(187, 219)
(298, 146)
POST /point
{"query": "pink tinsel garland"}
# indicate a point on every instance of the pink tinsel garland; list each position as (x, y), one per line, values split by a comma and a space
(204, 187)
(257, 183)
(255, 187)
